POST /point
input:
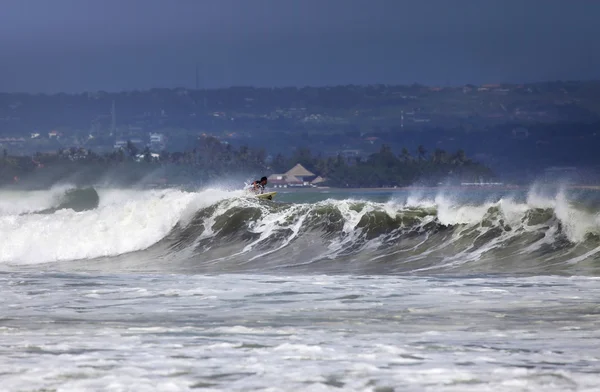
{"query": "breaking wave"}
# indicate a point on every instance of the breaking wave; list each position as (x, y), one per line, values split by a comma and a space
(48, 201)
(216, 231)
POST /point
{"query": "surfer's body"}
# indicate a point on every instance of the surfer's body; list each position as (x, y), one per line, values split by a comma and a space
(258, 186)
(258, 189)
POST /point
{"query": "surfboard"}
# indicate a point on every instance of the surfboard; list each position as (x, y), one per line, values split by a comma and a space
(268, 196)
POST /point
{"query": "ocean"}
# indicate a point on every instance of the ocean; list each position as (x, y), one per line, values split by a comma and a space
(106, 289)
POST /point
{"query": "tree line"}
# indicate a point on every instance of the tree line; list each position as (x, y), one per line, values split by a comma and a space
(387, 169)
(211, 159)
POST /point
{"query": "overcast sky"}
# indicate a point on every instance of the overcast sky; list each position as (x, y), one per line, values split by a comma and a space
(87, 45)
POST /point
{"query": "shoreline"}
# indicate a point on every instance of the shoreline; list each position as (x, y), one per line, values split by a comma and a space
(425, 188)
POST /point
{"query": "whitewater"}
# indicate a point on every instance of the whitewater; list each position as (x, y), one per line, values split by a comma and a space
(318, 290)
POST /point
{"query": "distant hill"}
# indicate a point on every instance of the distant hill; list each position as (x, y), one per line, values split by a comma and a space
(508, 126)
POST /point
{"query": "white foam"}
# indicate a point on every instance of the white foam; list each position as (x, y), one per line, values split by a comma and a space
(205, 198)
(14, 202)
(125, 221)
(576, 223)
(451, 213)
(269, 228)
(432, 334)
(512, 211)
(351, 220)
(418, 200)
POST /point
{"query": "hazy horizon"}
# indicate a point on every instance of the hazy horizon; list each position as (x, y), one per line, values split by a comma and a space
(73, 47)
(192, 88)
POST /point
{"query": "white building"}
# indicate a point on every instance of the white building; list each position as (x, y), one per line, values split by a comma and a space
(157, 138)
(157, 141)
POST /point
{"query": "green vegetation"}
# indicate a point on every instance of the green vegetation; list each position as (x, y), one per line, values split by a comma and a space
(209, 159)
(386, 169)
(519, 130)
(212, 160)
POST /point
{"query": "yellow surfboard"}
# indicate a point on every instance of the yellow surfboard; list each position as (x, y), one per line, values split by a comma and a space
(268, 195)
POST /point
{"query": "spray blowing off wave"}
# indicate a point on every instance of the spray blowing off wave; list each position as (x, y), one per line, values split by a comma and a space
(48, 201)
(118, 225)
(218, 231)
(365, 237)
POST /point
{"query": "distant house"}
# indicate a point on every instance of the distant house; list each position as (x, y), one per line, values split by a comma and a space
(157, 138)
(119, 144)
(295, 177)
(284, 180)
(318, 180)
(276, 180)
(157, 142)
(153, 156)
(301, 173)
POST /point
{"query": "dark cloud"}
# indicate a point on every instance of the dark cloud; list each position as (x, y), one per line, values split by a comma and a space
(76, 45)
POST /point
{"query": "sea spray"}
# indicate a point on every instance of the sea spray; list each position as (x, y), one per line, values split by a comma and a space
(15, 202)
(116, 227)
(218, 230)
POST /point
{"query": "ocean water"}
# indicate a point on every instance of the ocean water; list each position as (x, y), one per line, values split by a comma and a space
(322, 290)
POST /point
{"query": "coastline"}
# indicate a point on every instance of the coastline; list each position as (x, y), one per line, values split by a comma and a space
(424, 188)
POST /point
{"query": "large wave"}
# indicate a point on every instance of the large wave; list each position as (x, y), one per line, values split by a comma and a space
(217, 231)
(57, 226)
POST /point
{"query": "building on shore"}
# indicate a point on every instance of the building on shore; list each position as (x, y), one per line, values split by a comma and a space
(298, 176)
(157, 142)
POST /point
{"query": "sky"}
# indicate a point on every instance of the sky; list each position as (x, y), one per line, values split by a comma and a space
(71, 46)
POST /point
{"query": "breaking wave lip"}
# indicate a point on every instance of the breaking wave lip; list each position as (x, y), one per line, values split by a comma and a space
(124, 221)
(219, 231)
(538, 235)
(59, 197)
(16, 202)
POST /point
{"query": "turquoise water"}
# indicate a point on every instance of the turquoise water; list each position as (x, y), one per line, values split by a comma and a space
(589, 197)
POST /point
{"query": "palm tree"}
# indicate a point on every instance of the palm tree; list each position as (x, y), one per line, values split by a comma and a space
(132, 149)
(147, 155)
(422, 152)
(439, 156)
(458, 158)
(405, 155)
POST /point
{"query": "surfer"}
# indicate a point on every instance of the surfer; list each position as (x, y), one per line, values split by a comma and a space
(258, 186)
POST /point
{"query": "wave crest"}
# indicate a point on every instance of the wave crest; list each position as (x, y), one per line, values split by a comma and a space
(218, 231)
